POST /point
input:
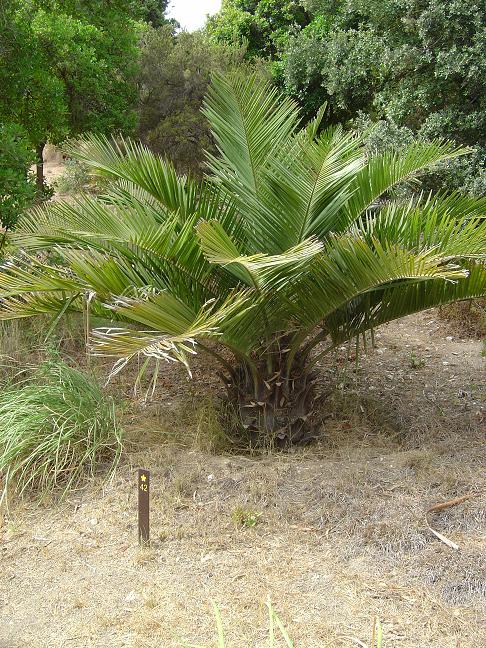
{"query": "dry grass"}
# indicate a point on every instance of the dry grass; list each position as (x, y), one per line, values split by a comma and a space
(465, 319)
(340, 534)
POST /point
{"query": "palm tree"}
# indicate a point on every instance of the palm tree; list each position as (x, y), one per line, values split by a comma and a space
(294, 243)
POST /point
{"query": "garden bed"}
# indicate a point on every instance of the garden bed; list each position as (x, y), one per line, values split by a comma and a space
(335, 533)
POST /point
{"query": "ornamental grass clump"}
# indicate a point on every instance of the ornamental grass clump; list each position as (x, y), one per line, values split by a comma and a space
(56, 428)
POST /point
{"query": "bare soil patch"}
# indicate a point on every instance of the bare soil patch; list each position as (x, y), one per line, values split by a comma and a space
(341, 533)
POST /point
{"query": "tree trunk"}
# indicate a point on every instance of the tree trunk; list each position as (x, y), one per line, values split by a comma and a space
(273, 409)
(40, 167)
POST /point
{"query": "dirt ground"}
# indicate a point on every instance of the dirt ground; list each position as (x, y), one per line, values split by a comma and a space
(335, 534)
(54, 165)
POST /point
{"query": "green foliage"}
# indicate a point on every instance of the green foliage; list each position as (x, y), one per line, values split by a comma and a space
(17, 186)
(245, 517)
(174, 76)
(344, 67)
(68, 67)
(264, 26)
(295, 237)
(55, 428)
(417, 64)
(74, 179)
(420, 65)
(416, 362)
(383, 135)
(151, 11)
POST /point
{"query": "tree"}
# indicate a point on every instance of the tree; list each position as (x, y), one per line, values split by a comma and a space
(293, 241)
(68, 67)
(419, 64)
(17, 187)
(262, 25)
(151, 11)
(174, 76)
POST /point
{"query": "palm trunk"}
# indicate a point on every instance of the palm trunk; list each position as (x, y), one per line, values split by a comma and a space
(274, 408)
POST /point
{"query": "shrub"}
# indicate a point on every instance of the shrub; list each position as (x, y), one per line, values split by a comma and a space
(55, 428)
(17, 184)
(293, 239)
(75, 178)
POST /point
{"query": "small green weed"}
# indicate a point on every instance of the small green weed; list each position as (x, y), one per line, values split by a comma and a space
(274, 624)
(244, 517)
(377, 638)
(416, 362)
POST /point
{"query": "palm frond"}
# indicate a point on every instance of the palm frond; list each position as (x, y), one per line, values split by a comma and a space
(174, 328)
(316, 181)
(351, 266)
(128, 240)
(392, 302)
(259, 270)
(433, 224)
(31, 304)
(24, 274)
(249, 120)
(133, 162)
(251, 124)
(384, 171)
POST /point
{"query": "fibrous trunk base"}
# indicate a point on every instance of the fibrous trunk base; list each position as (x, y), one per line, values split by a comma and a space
(277, 411)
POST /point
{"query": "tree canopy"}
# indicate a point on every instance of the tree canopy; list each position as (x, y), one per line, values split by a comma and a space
(262, 25)
(175, 71)
(68, 67)
(151, 11)
(17, 186)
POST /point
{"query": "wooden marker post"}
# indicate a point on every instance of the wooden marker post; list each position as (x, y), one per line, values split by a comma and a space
(143, 484)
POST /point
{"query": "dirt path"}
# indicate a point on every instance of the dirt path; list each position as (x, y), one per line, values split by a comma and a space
(340, 538)
(53, 171)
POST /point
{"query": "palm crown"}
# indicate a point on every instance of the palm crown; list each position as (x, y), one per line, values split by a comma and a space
(293, 238)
